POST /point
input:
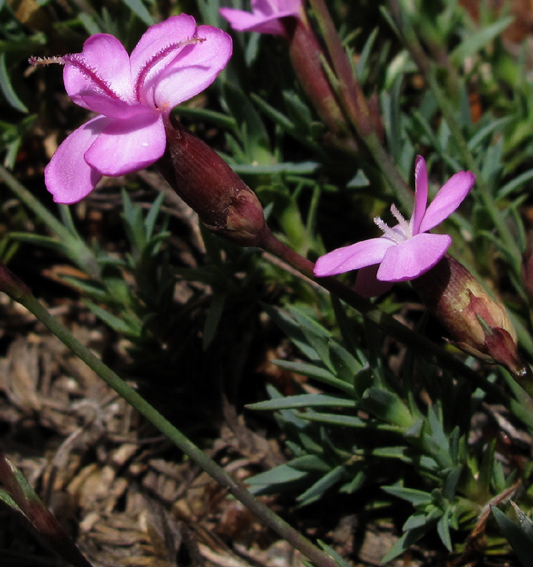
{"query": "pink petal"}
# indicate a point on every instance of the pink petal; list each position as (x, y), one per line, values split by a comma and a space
(450, 196)
(126, 146)
(421, 194)
(353, 257)
(68, 176)
(265, 16)
(367, 285)
(245, 21)
(156, 39)
(412, 258)
(167, 73)
(110, 73)
(282, 6)
(194, 69)
(113, 108)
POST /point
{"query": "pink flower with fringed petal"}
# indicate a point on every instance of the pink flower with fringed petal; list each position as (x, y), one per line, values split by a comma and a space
(264, 17)
(407, 250)
(133, 95)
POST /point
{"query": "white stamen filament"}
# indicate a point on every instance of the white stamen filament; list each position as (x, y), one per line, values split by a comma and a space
(400, 233)
(401, 221)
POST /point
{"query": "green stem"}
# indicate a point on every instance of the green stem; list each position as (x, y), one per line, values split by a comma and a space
(234, 487)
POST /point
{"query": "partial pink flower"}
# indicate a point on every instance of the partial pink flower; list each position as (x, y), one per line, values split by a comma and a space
(407, 250)
(265, 16)
(133, 96)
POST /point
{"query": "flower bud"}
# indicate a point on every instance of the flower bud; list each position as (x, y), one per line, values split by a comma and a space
(224, 203)
(478, 324)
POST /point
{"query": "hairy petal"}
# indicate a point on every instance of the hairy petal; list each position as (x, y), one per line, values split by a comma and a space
(367, 284)
(446, 201)
(353, 257)
(126, 146)
(167, 72)
(106, 57)
(149, 53)
(413, 257)
(68, 176)
(421, 194)
(193, 69)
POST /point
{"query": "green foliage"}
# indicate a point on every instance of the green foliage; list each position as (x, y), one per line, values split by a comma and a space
(520, 535)
(374, 419)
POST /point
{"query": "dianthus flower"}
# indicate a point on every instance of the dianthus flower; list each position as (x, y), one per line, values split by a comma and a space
(133, 96)
(407, 250)
(265, 16)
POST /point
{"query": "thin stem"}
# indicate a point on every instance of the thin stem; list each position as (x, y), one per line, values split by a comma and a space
(234, 487)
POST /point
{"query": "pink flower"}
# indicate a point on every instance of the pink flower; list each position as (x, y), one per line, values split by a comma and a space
(407, 250)
(133, 96)
(265, 16)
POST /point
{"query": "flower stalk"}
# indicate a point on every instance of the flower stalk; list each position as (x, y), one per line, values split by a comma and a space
(21, 293)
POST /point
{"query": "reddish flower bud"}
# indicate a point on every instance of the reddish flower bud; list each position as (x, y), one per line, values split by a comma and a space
(224, 203)
(478, 323)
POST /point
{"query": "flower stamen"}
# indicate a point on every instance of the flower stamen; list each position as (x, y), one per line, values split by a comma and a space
(404, 225)
(387, 230)
(36, 61)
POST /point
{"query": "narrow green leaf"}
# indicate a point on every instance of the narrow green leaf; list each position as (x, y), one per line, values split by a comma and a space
(341, 420)
(412, 495)
(7, 88)
(139, 9)
(108, 318)
(477, 41)
(303, 401)
(320, 487)
(279, 475)
(315, 372)
(302, 168)
(520, 541)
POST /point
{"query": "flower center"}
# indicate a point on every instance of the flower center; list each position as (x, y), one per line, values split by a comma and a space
(159, 57)
(399, 233)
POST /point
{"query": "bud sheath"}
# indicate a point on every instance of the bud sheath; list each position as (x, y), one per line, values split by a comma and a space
(478, 323)
(224, 203)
